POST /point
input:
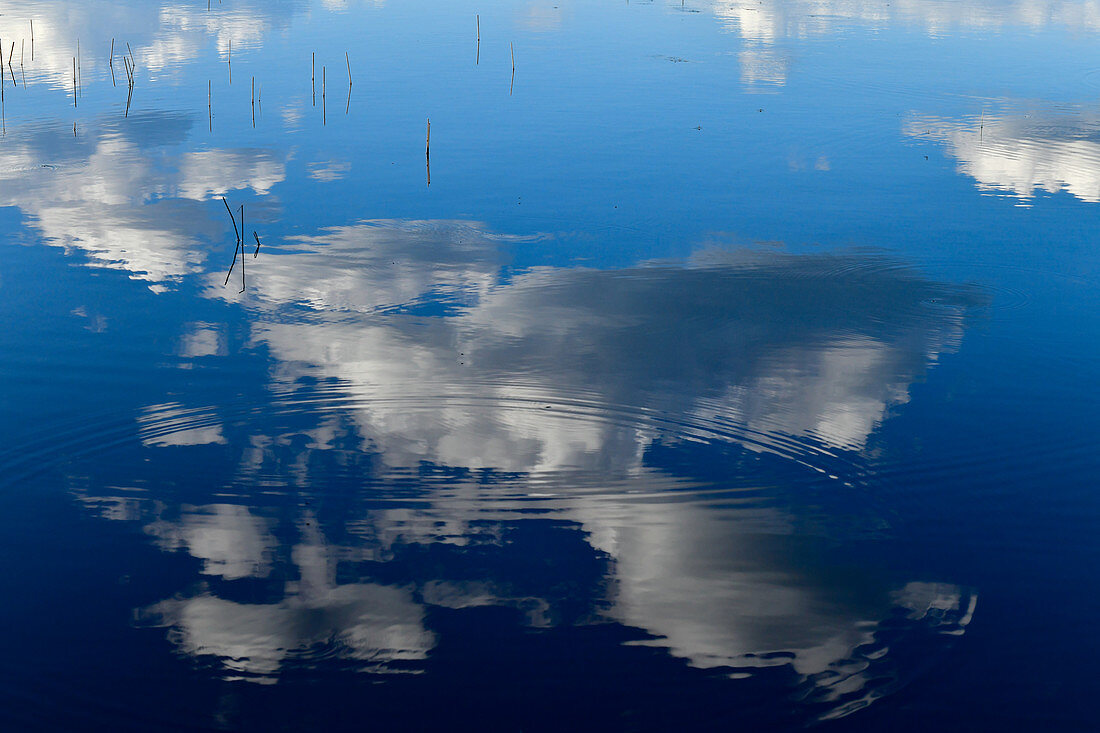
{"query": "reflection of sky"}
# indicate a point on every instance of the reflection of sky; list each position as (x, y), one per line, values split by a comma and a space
(465, 359)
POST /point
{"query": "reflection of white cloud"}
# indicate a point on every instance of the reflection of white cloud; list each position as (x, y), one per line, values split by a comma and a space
(836, 394)
(762, 68)
(380, 264)
(1021, 154)
(373, 624)
(763, 23)
(767, 21)
(129, 206)
(211, 173)
(793, 354)
(799, 357)
(722, 353)
(228, 538)
(202, 340)
(726, 588)
(540, 17)
(162, 37)
(329, 170)
(171, 424)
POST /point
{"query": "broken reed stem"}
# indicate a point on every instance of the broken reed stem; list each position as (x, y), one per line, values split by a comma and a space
(238, 244)
(32, 39)
(428, 139)
(346, 58)
(313, 76)
(513, 49)
(235, 231)
(229, 60)
(478, 18)
(74, 81)
(209, 107)
(257, 236)
(232, 264)
(79, 86)
(324, 109)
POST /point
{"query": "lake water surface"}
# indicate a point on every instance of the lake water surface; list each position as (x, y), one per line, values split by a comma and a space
(643, 366)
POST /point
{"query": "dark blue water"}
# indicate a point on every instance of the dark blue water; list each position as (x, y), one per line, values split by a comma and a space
(708, 366)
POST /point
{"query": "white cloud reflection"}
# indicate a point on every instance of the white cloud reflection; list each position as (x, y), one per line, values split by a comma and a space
(765, 24)
(134, 206)
(228, 538)
(769, 21)
(563, 369)
(562, 381)
(1021, 153)
(162, 36)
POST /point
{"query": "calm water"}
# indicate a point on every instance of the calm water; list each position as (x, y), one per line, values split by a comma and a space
(722, 366)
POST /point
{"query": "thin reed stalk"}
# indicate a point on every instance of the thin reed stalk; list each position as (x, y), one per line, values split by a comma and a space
(242, 249)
